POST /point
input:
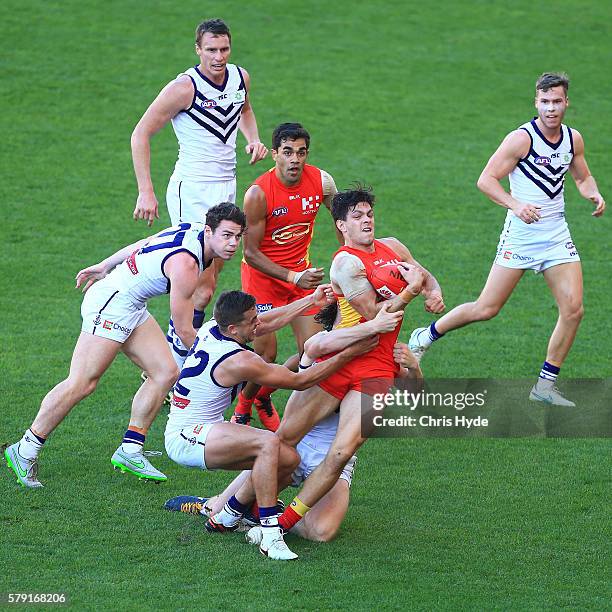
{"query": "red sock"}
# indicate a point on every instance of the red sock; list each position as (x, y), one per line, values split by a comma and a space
(244, 405)
(288, 518)
(265, 392)
(255, 510)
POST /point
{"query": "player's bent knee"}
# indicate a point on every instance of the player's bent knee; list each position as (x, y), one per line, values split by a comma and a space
(289, 458)
(574, 313)
(322, 532)
(484, 312)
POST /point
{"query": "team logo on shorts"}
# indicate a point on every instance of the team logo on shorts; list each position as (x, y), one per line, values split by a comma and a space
(569, 245)
(507, 254)
(197, 429)
(107, 325)
(98, 320)
(540, 160)
(192, 441)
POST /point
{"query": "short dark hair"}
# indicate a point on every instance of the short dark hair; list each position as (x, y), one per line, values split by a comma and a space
(344, 201)
(548, 80)
(226, 211)
(327, 316)
(216, 27)
(289, 131)
(231, 306)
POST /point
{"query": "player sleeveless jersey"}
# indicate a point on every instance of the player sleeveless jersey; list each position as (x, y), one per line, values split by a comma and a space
(141, 276)
(539, 177)
(198, 397)
(207, 130)
(382, 355)
(290, 217)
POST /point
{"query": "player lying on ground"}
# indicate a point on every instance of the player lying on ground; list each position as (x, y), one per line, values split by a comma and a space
(218, 364)
(281, 207)
(322, 523)
(362, 274)
(116, 319)
(535, 158)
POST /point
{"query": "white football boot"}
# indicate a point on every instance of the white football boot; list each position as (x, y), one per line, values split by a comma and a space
(274, 547)
(26, 470)
(419, 342)
(137, 464)
(254, 535)
(549, 395)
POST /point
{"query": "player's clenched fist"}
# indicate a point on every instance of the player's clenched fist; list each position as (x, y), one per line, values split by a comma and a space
(413, 275)
(434, 302)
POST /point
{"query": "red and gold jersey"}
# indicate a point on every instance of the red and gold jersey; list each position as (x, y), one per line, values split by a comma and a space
(290, 217)
(382, 256)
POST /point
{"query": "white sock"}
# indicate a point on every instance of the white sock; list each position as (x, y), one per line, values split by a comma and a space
(227, 517)
(29, 445)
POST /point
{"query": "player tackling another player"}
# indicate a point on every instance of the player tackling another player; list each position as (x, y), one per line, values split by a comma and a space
(116, 319)
(535, 236)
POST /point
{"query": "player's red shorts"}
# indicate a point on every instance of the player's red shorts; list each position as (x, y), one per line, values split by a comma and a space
(359, 375)
(270, 292)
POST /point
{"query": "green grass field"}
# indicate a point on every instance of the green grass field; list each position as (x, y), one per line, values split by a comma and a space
(410, 97)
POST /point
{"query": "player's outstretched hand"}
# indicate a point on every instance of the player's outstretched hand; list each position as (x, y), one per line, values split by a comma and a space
(404, 356)
(600, 204)
(413, 275)
(323, 296)
(311, 278)
(146, 208)
(434, 302)
(257, 150)
(527, 213)
(362, 346)
(386, 321)
(90, 275)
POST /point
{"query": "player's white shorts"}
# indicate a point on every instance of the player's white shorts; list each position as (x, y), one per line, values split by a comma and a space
(312, 451)
(188, 201)
(108, 313)
(186, 446)
(536, 246)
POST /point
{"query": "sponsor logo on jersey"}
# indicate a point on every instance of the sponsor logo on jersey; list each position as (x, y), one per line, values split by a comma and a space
(98, 320)
(277, 212)
(208, 104)
(540, 160)
(180, 402)
(131, 263)
(310, 204)
(385, 292)
(290, 233)
(566, 159)
(263, 308)
(110, 325)
(239, 97)
(390, 262)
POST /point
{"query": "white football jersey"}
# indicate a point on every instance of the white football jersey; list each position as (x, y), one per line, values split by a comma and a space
(207, 130)
(141, 276)
(198, 398)
(539, 177)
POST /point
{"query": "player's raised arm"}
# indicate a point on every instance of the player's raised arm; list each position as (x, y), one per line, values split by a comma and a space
(182, 272)
(173, 98)
(250, 366)
(326, 342)
(585, 182)
(279, 317)
(248, 126)
(513, 148)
